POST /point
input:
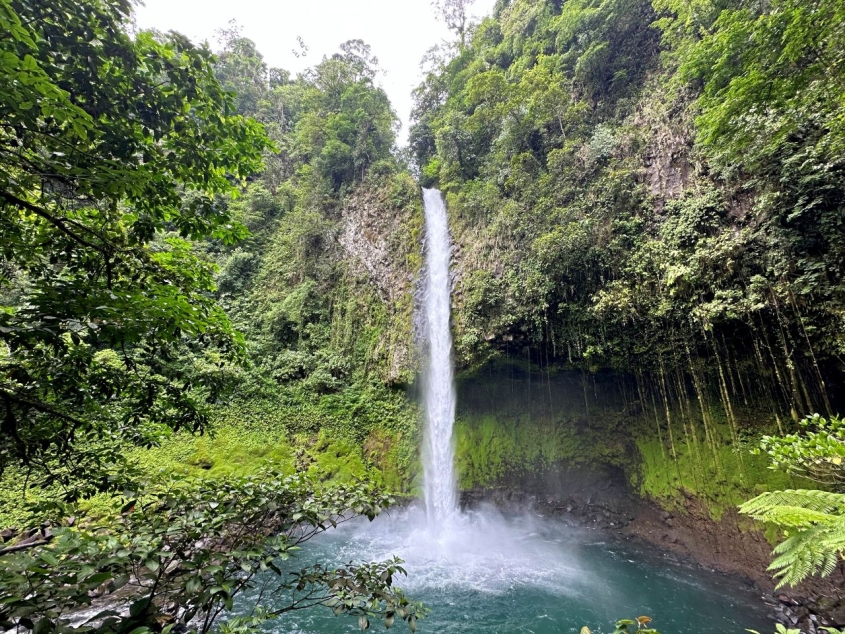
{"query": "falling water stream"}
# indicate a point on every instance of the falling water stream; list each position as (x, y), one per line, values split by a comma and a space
(439, 383)
(484, 571)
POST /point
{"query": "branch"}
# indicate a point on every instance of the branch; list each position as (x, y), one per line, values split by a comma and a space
(10, 426)
(44, 409)
(56, 222)
(19, 547)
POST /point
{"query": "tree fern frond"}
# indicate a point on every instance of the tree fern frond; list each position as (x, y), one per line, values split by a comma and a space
(810, 551)
(830, 561)
(796, 542)
(795, 517)
(811, 500)
(797, 563)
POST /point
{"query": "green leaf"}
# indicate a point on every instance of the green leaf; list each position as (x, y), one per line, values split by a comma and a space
(137, 608)
(193, 585)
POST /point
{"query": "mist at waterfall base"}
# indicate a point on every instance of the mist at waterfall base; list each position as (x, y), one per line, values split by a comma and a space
(494, 573)
(484, 571)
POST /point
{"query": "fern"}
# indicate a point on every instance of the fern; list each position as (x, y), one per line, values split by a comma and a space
(796, 517)
(811, 500)
(815, 525)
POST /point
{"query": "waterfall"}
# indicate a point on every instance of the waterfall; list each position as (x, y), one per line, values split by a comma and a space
(441, 496)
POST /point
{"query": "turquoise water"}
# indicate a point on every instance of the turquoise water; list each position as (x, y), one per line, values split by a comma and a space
(486, 572)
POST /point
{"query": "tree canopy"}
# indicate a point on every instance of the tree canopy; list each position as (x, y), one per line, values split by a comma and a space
(114, 152)
(122, 159)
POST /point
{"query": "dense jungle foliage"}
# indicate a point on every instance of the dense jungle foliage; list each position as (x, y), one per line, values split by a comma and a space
(185, 250)
(129, 162)
(114, 152)
(652, 188)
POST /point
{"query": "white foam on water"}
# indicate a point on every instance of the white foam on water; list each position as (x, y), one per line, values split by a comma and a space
(478, 551)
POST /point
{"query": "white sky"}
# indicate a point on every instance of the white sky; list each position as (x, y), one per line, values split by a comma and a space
(399, 32)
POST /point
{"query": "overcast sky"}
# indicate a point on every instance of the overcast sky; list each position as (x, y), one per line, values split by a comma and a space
(399, 32)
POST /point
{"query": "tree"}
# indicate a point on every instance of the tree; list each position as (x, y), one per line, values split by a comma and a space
(346, 124)
(241, 69)
(113, 152)
(358, 55)
(182, 550)
(455, 14)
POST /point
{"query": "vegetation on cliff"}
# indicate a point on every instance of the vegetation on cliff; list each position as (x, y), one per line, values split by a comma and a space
(655, 188)
(322, 287)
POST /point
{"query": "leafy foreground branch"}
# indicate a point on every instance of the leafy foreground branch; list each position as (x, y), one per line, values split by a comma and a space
(812, 521)
(642, 625)
(176, 556)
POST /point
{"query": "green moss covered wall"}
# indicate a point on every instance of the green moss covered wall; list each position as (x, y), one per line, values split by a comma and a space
(515, 419)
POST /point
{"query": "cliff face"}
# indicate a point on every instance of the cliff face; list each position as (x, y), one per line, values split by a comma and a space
(380, 235)
(620, 203)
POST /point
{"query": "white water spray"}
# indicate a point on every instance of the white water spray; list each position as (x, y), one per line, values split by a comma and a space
(441, 497)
